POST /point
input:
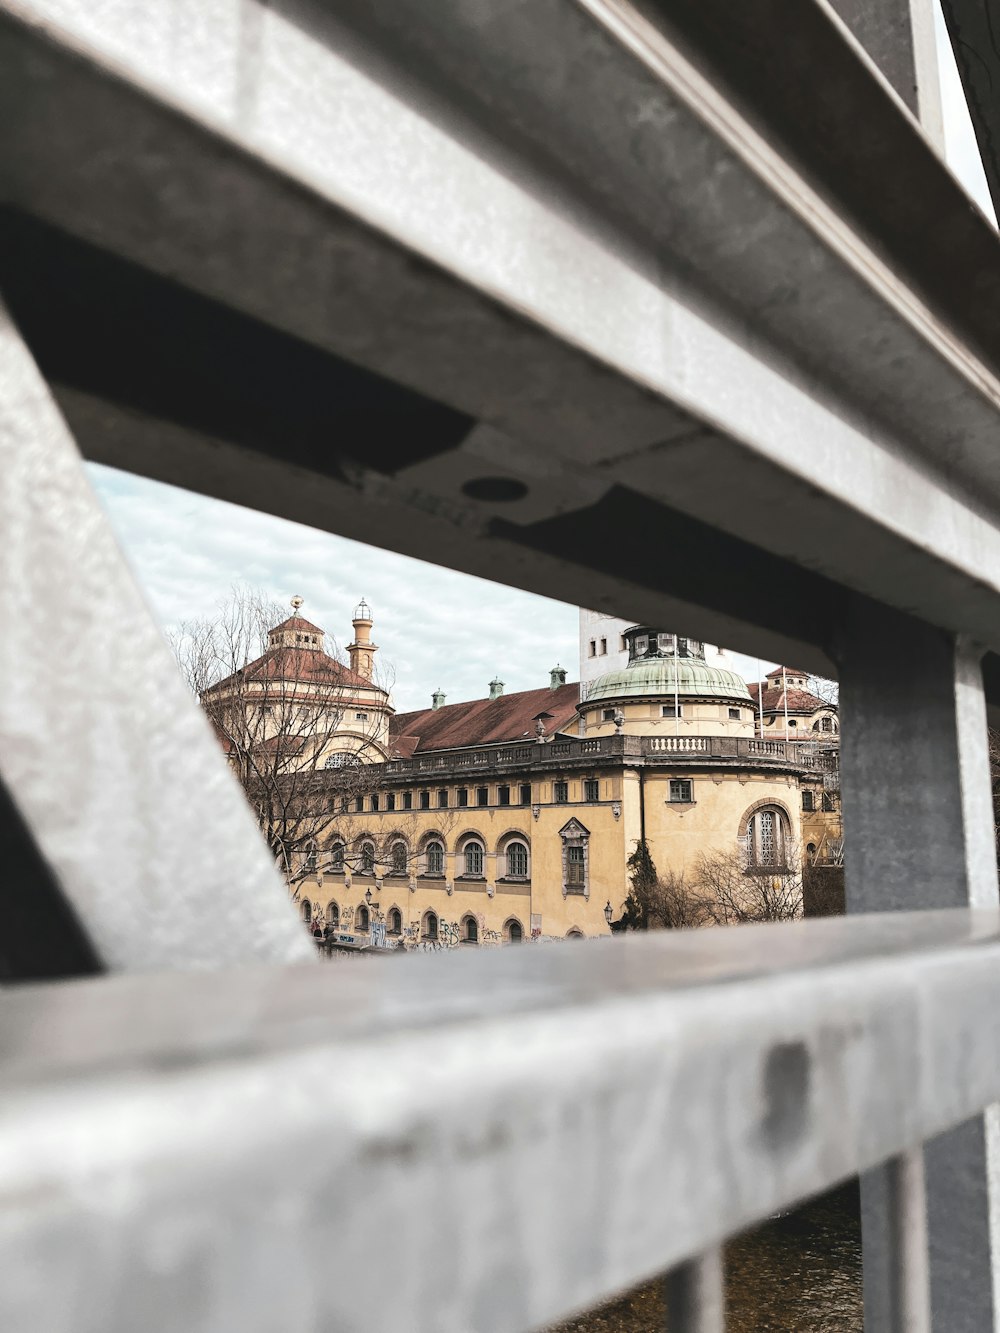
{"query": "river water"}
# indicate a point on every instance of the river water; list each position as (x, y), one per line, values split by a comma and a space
(796, 1274)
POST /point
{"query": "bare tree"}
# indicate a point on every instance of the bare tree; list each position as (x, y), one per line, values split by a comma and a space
(303, 733)
(661, 902)
(735, 891)
(827, 691)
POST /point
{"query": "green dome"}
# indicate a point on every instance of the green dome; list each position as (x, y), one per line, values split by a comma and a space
(687, 676)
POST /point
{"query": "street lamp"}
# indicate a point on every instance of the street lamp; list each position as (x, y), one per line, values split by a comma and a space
(607, 912)
(368, 898)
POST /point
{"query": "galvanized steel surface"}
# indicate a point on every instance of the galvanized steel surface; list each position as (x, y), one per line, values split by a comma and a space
(564, 1121)
(108, 759)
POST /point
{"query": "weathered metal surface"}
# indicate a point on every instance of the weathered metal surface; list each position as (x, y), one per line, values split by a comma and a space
(694, 1295)
(841, 406)
(101, 748)
(564, 1121)
(909, 1291)
(920, 834)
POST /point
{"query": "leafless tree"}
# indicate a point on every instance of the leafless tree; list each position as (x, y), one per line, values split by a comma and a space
(735, 891)
(661, 902)
(303, 734)
(676, 904)
(827, 691)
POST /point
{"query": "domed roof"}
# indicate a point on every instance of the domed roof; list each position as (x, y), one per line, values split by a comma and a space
(687, 676)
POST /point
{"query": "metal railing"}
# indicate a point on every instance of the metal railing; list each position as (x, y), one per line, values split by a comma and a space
(665, 272)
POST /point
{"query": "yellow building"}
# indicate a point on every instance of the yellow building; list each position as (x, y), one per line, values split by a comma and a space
(788, 710)
(513, 816)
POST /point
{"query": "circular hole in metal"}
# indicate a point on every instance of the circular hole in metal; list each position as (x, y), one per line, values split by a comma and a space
(497, 490)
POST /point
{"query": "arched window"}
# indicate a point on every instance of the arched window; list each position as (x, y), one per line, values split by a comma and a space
(333, 914)
(474, 859)
(337, 856)
(470, 930)
(364, 919)
(368, 858)
(513, 931)
(574, 934)
(434, 852)
(766, 837)
(307, 910)
(394, 924)
(517, 860)
(397, 859)
(312, 858)
(430, 926)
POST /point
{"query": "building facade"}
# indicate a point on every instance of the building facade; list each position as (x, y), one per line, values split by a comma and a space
(512, 817)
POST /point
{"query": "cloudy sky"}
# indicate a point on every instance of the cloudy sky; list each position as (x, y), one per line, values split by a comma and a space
(188, 551)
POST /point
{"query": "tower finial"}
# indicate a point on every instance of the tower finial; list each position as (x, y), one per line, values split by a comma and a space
(296, 603)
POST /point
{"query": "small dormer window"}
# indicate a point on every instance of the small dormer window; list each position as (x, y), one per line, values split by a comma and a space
(641, 644)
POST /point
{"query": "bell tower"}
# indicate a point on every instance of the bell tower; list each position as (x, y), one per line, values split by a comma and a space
(361, 652)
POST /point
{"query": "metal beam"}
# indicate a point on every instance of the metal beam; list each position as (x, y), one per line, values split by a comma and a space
(232, 1136)
(102, 745)
(737, 349)
(917, 810)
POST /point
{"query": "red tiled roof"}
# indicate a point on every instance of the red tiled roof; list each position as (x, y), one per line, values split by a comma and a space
(778, 672)
(799, 701)
(484, 721)
(299, 623)
(310, 665)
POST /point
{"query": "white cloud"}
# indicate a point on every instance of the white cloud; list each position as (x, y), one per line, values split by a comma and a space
(434, 627)
(961, 149)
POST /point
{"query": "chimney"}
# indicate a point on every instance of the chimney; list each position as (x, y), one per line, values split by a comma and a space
(496, 688)
(437, 699)
(557, 677)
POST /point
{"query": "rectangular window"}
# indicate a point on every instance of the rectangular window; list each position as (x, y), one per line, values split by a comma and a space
(574, 867)
(591, 790)
(673, 710)
(482, 796)
(374, 800)
(390, 800)
(525, 793)
(735, 714)
(604, 647)
(828, 801)
(361, 717)
(680, 789)
(463, 796)
(503, 796)
(425, 800)
(608, 715)
(808, 801)
(593, 647)
(407, 800)
(359, 803)
(560, 792)
(443, 798)
(622, 644)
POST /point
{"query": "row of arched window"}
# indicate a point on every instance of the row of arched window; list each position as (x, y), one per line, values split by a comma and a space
(430, 924)
(430, 860)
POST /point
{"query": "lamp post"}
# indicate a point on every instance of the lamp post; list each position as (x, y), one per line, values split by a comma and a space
(608, 912)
